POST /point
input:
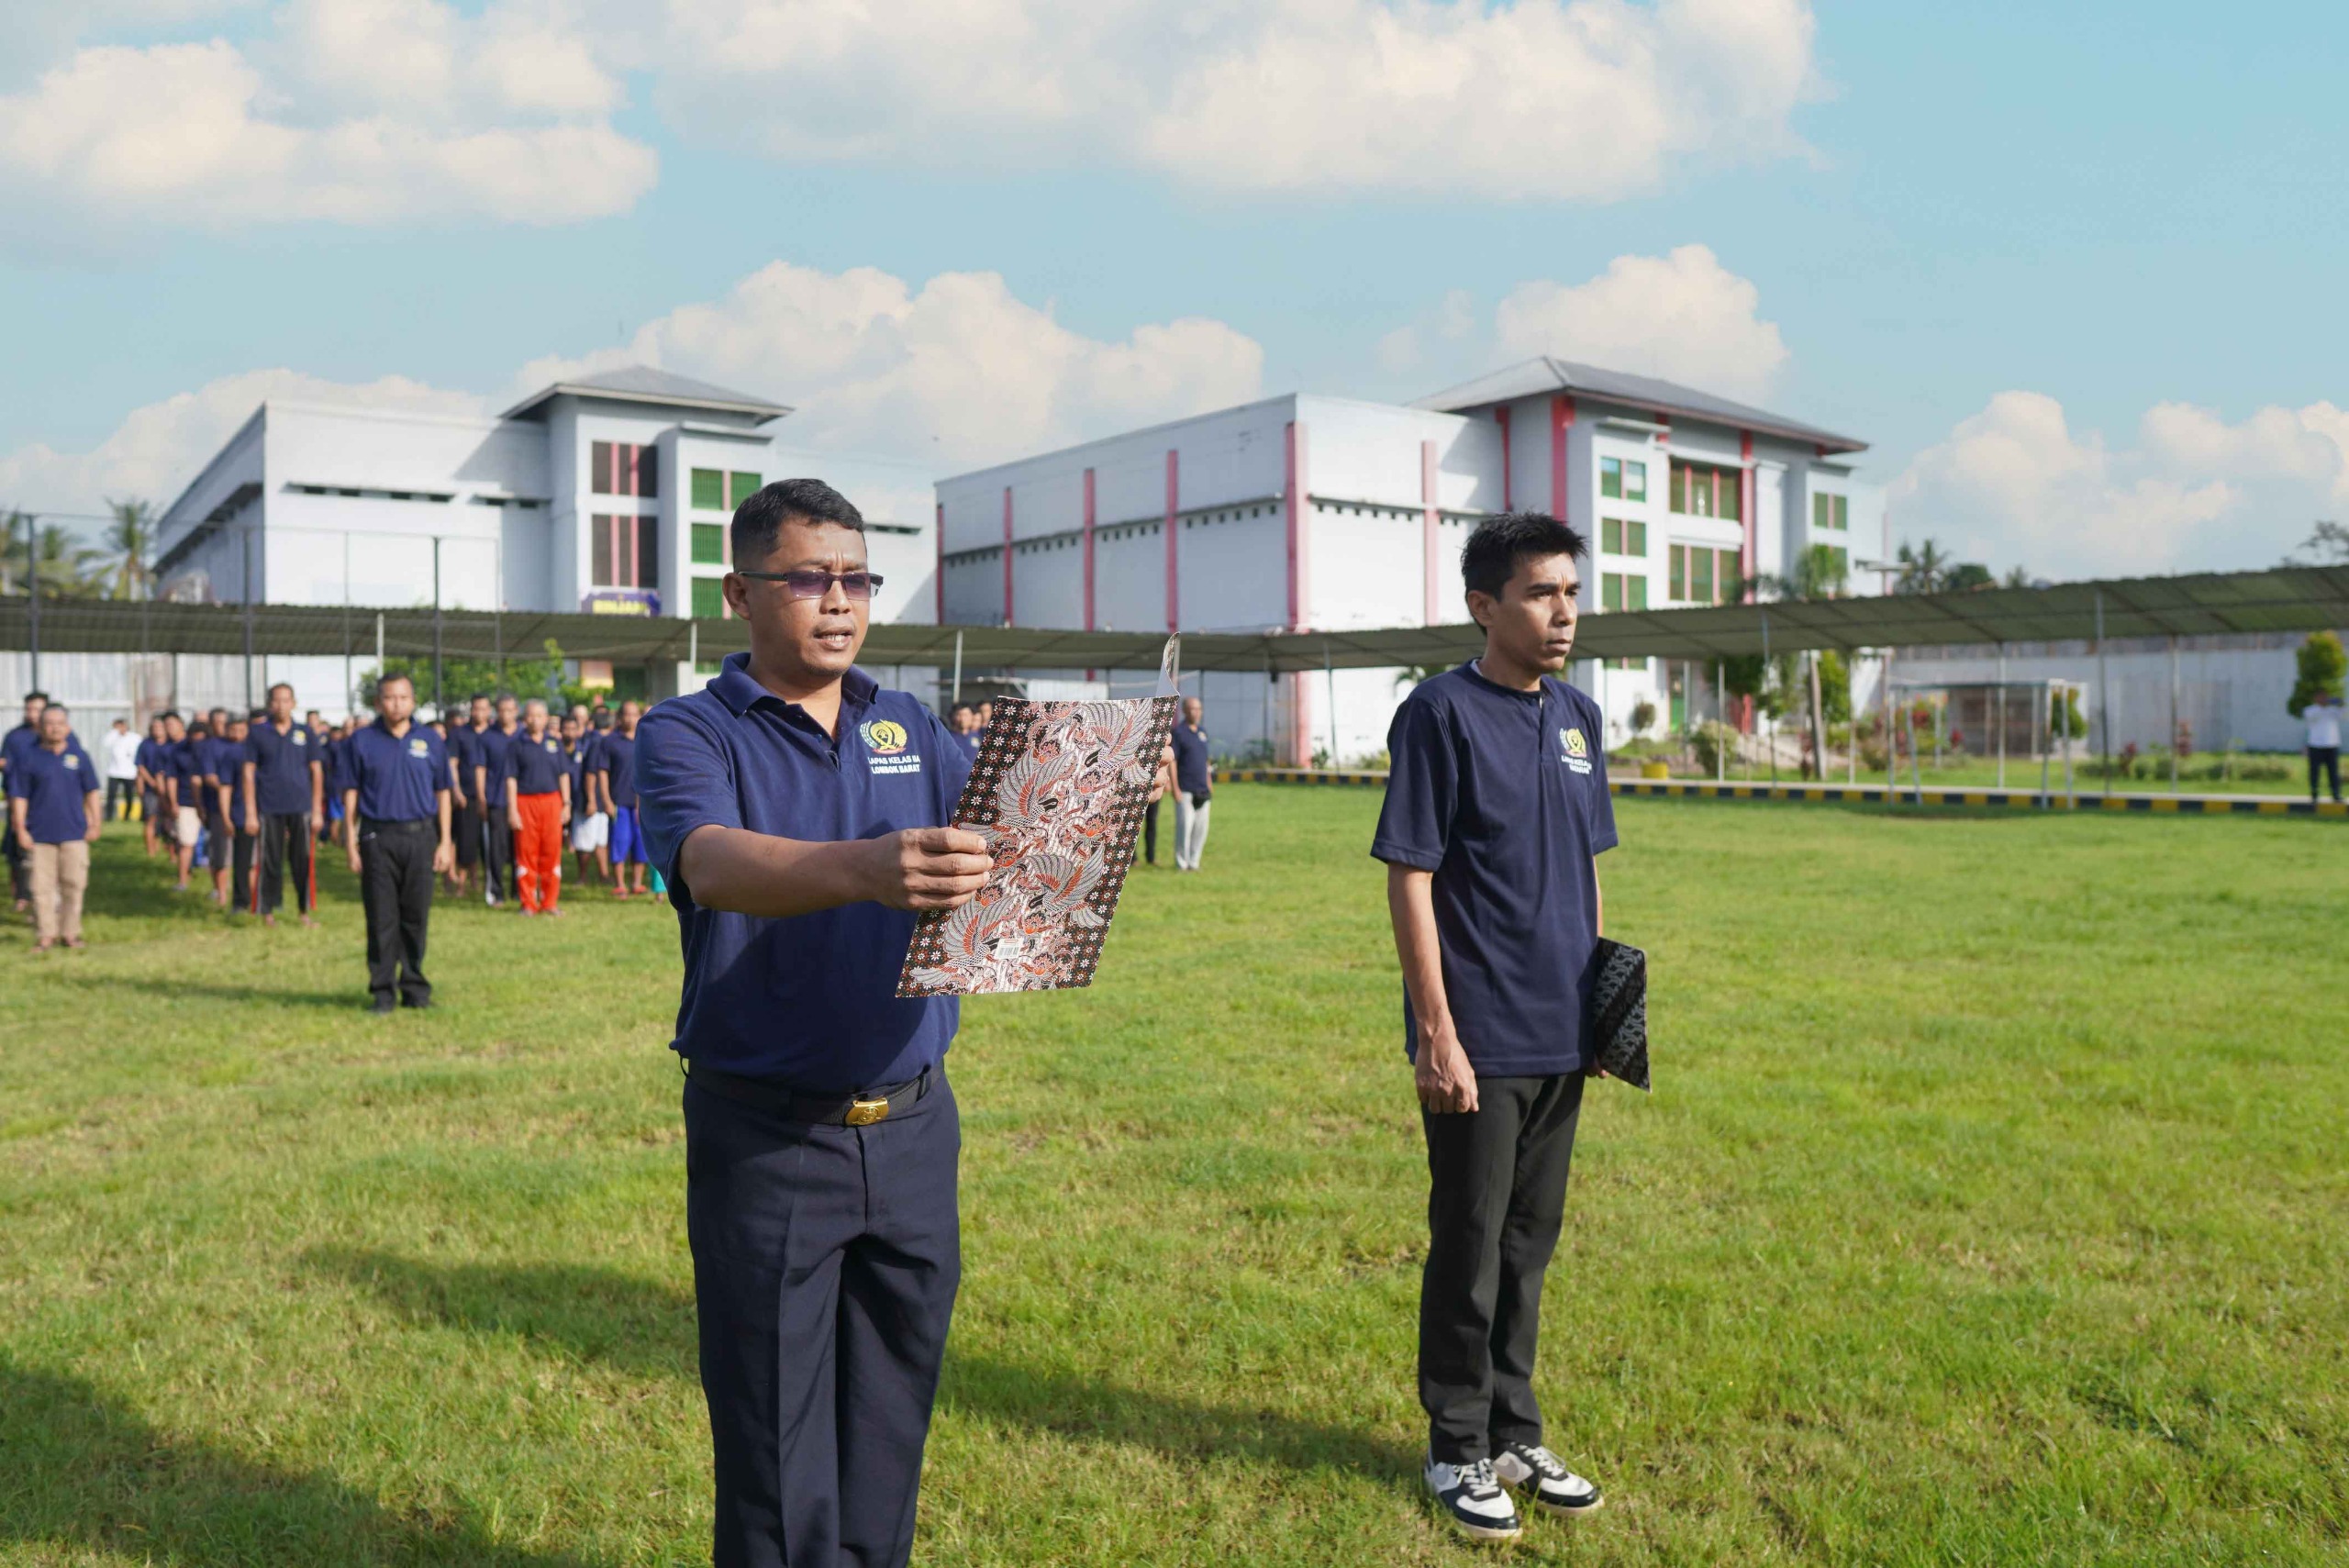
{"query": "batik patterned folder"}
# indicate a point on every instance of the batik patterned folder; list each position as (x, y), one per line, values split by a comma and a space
(1058, 792)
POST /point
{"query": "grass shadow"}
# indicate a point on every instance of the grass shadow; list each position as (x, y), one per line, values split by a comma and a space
(351, 999)
(591, 1314)
(78, 1470)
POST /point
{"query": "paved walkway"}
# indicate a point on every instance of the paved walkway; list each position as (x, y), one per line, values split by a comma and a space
(1874, 794)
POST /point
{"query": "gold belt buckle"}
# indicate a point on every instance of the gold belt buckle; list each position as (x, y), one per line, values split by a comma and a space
(864, 1113)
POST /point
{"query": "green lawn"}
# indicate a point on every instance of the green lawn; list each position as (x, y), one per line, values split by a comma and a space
(2022, 773)
(1990, 1210)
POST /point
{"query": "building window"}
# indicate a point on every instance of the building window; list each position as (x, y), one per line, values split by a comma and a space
(1702, 490)
(624, 550)
(744, 487)
(1622, 591)
(1623, 479)
(1619, 537)
(709, 544)
(619, 468)
(709, 490)
(1829, 511)
(709, 598)
(1696, 574)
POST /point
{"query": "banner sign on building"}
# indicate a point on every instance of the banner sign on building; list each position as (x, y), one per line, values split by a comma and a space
(620, 602)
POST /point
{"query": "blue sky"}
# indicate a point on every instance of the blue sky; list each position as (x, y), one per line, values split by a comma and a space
(2072, 269)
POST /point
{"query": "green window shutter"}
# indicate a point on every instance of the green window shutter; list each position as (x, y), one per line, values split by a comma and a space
(709, 489)
(1701, 588)
(1610, 477)
(709, 544)
(1610, 591)
(1732, 482)
(1819, 509)
(1732, 568)
(709, 598)
(1635, 535)
(1676, 560)
(1843, 511)
(745, 486)
(1610, 537)
(1638, 583)
(1635, 482)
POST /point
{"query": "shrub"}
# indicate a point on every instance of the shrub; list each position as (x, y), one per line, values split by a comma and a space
(2323, 666)
(1642, 714)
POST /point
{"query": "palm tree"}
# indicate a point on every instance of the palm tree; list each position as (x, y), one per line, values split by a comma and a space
(131, 538)
(1819, 573)
(68, 570)
(1923, 569)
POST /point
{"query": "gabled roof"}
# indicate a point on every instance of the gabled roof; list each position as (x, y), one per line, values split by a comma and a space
(642, 383)
(1547, 373)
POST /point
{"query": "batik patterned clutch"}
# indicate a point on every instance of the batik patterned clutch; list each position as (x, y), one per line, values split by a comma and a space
(1618, 1013)
(1058, 792)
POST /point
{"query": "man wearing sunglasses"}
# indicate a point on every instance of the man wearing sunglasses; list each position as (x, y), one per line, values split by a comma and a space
(798, 813)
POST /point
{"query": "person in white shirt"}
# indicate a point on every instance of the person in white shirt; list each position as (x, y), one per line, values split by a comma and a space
(122, 769)
(2323, 719)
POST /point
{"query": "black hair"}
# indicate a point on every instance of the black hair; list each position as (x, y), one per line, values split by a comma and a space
(481, 697)
(760, 519)
(41, 697)
(199, 728)
(400, 675)
(962, 707)
(285, 687)
(169, 713)
(256, 715)
(1489, 558)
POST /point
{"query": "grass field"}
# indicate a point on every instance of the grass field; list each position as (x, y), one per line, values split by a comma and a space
(1990, 1210)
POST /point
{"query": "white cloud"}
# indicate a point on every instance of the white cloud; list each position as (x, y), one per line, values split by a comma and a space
(952, 374)
(1684, 317)
(159, 448)
(356, 111)
(1535, 100)
(958, 372)
(2015, 483)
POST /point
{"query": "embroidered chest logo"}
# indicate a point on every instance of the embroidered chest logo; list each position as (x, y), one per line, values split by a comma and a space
(417, 748)
(1574, 751)
(885, 741)
(300, 739)
(73, 762)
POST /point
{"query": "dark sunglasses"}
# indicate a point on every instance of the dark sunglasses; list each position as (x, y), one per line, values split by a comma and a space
(815, 584)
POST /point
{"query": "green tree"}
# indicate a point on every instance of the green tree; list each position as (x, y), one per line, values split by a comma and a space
(462, 679)
(131, 538)
(69, 569)
(2328, 545)
(1836, 687)
(1922, 569)
(2322, 665)
(1966, 576)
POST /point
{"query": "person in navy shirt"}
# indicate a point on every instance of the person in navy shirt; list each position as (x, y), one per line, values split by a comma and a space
(616, 778)
(1496, 807)
(219, 763)
(1194, 785)
(53, 818)
(151, 752)
(396, 811)
(492, 761)
(472, 825)
(284, 787)
(798, 812)
(19, 740)
(538, 804)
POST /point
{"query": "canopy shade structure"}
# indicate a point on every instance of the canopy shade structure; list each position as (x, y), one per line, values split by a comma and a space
(2200, 605)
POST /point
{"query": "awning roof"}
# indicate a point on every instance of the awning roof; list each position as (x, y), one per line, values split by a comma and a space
(2209, 604)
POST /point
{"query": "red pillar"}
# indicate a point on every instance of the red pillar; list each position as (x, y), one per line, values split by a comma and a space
(1500, 417)
(1745, 498)
(1174, 506)
(1427, 542)
(1088, 550)
(1006, 555)
(1562, 419)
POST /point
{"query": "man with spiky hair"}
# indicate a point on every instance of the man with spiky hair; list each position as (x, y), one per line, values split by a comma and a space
(1496, 808)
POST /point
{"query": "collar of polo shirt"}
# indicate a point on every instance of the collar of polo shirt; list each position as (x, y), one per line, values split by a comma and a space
(740, 693)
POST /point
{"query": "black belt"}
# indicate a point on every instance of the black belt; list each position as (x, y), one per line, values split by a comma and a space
(860, 1109)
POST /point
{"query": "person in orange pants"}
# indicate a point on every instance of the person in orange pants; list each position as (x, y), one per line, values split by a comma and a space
(538, 806)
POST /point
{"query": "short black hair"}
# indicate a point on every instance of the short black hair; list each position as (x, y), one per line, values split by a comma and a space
(199, 728)
(169, 713)
(41, 697)
(760, 519)
(400, 675)
(285, 687)
(1489, 558)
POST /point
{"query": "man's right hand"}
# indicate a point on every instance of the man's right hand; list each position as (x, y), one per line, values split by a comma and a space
(1444, 1080)
(925, 868)
(354, 855)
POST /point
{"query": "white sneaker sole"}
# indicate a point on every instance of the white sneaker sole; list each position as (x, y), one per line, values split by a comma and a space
(1482, 1533)
(1568, 1510)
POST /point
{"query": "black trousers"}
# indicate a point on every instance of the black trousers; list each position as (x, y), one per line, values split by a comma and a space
(1150, 834)
(121, 792)
(285, 847)
(243, 848)
(496, 857)
(2327, 761)
(467, 833)
(1496, 1195)
(825, 1264)
(395, 885)
(20, 868)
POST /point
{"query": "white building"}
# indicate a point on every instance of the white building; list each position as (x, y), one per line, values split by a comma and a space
(1304, 512)
(607, 494)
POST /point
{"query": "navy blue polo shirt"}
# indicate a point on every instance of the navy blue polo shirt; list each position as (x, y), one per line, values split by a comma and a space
(281, 768)
(576, 758)
(52, 784)
(1503, 795)
(1190, 759)
(618, 759)
(397, 776)
(230, 757)
(810, 1001)
(492, 752)
(17, 742)
(537, 766)
(461, 752)
(151, 755)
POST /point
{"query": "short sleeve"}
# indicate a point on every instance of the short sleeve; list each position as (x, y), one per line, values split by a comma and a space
(440, 768)
(683, 782)
(1422, 788)
(90, 784)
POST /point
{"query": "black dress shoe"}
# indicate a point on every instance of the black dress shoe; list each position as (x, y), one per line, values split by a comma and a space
(380, 1005)
(423, 1007)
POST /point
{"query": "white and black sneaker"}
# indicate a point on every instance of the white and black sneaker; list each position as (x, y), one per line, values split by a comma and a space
(1472, 1496)
(1554, 1487)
